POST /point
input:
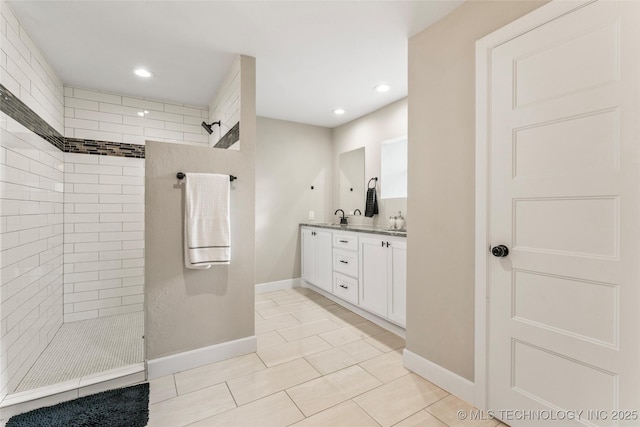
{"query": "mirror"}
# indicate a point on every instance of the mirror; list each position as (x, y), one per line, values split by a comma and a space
(393, 168)
(351, 196)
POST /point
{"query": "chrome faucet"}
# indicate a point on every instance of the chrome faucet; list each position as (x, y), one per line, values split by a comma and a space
(343, 220)
(357, 212)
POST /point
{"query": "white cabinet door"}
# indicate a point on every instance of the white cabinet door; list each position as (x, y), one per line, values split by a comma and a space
(397, 277)
(324, 260)
(317, 258)
(373, 275)
(308, 255)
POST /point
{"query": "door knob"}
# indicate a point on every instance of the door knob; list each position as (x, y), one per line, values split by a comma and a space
(500, 251)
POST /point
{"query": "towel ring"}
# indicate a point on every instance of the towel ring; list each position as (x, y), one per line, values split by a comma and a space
(375, 183)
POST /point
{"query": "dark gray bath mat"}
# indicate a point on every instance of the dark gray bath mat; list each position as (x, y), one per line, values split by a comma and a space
(123, 407)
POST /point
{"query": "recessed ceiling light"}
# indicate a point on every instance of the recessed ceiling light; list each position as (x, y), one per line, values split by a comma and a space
(382, 88)
(142, 72)
(338, 111)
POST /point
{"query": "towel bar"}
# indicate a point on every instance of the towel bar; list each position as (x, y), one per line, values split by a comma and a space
(181, 175)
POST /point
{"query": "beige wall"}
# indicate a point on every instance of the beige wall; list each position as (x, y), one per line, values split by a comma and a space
(189, 309)
(369, 131)
(440, 281)
(290, 158)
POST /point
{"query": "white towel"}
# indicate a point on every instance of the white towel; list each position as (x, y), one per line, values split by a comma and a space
(207, 231)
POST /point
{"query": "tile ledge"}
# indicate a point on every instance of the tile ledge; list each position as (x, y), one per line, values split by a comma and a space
(76, 384)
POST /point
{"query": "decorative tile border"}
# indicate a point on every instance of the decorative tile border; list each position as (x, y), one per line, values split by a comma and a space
(20, 112)
(103, 148)
(230, 137)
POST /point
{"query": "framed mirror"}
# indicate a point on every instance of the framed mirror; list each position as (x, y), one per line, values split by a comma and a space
(393, 168)
(351, 184)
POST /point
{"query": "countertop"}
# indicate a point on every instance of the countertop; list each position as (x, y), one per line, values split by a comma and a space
(357, 228)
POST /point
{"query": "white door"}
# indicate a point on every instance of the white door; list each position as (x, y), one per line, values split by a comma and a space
(564, 322)
(397, 279)
(308, 255)
(373, 275)
(324, 266)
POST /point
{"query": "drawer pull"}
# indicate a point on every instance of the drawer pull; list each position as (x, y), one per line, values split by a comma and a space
(344, 287)
(344, 241)
(344, 262)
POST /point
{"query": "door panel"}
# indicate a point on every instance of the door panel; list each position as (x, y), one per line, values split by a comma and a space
(308, 256)
(537, 368)
(565, 197)
(398, 282)
(572, 225)
(594, 309)
(373, 276)
(553, 69)
(324, 248)
(549, 149)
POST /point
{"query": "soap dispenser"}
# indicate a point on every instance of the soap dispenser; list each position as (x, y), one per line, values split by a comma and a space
(399, 221)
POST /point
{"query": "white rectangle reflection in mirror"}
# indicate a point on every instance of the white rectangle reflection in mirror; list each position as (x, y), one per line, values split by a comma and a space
(393, 168)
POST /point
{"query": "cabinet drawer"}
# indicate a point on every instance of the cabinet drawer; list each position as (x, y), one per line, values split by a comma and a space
(345, 287)
(345, 241)
(345, 262)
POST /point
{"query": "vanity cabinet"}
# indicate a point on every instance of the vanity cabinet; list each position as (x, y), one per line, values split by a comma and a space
(367, 270)
(383, 272)
(317, 258)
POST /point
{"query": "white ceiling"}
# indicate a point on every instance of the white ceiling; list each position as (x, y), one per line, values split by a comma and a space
(311, 56)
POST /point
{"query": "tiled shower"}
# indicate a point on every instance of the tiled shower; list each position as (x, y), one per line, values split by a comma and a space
(72, 246)
(72, 173)
(72, 257)
(72, 218)
(31, 257)
(103, 236)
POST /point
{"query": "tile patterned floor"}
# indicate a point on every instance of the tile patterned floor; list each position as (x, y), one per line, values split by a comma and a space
(88, 347)
(317, 364)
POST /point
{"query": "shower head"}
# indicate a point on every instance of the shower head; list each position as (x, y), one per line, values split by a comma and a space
(208, 127)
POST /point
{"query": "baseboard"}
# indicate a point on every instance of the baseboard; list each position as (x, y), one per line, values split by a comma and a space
(443, 378)
(391, 327)
(261, 288)
(168, 365)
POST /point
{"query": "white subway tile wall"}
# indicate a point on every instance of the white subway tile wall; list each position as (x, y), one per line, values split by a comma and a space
(226, 105)
(31, 248)
(103, 236)
(90, 114)
(25, 72)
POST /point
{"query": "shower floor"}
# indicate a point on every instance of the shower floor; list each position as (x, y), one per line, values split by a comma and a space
(88, 347)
